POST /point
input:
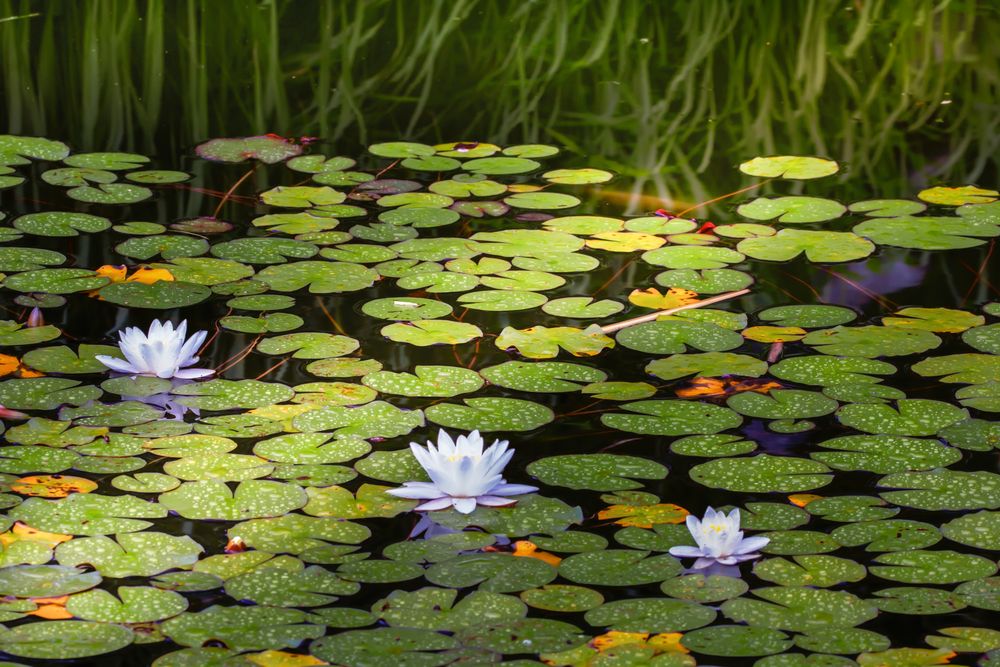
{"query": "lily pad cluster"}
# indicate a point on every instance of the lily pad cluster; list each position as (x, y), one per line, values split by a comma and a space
(359, 303)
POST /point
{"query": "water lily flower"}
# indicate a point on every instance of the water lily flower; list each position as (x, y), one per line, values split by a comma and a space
(462, 474)
(163, 352)
(719, 539)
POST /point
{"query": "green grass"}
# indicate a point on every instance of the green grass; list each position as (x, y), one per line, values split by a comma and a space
(665, 92)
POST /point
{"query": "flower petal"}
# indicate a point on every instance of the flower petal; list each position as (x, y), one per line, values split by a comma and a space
(464, 505)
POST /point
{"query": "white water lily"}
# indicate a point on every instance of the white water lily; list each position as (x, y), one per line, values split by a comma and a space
(163, 352)
(462, 474)
(719, 539)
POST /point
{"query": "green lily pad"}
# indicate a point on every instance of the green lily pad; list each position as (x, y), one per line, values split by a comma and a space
(736, 641)
(41, 581)
(888, 535)
(228, 394)
(927, 232)
(596, 472)
(830, 371)
(88, 514)
(543, 376)
(140, 554)
(932, 567)
(490, 414)
(692, 257)
(372, 420)
(619, 567)
(674, 336)
(809, 570)
(885, 454)
(251, 499)
(817, 246)
(310, 448)
(807, 317)
(60, 223)
(494, 572)
(110, 193)
(707, 364)
(309, 345)
(428, 381)
(63, 640)
(298, 586)
(789, 166)
(792, 209)
(166, 246)
(15, 333)
(762, 474)
(545, 342)
(45, 393)
(871, 341)
(917, 601)
(423, 333)
(160, 295)
(652, 615)
(712, 446)
(243, 628)
(134, 604)
(914, 417)
(319, 277)
(705, 281)
(782, 404)
(887, 208)
(437, 609)
(62, 359)
(943, 490)
(582, 307)
(800, 608)
(672, 417)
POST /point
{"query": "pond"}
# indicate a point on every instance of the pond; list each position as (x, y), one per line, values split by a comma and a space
(778, 334)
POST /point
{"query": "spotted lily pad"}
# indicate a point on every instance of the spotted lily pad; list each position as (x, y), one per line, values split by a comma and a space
(491, 414)
(216, 501)
(64, 639)
(762, 473)
(596, 472)
(658, 417)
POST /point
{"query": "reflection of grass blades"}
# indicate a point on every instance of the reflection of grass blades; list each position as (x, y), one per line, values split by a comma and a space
(18, 18)
(665, 90)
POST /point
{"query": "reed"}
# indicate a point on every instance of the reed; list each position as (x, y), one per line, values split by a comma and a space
(664, 92)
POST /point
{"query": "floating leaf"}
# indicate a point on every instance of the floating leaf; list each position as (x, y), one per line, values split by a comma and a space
(596, 472)
(251, 499)
(242, 628)
(789, 166)
(792, 209)
(871, 341)
(431, 332)
(672, 418)
(927, 232)
(268, 149)
(491, 414)
(966, 194)
(817, 246)
(64, 639)
(762, 473)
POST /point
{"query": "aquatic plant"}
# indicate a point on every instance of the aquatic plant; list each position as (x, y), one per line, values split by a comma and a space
(358, 302)
(462, 474)
(164, 352)
(719, 540)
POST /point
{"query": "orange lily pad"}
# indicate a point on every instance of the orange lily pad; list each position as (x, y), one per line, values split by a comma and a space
(644, 516)
(672, 298)
(52, 486)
